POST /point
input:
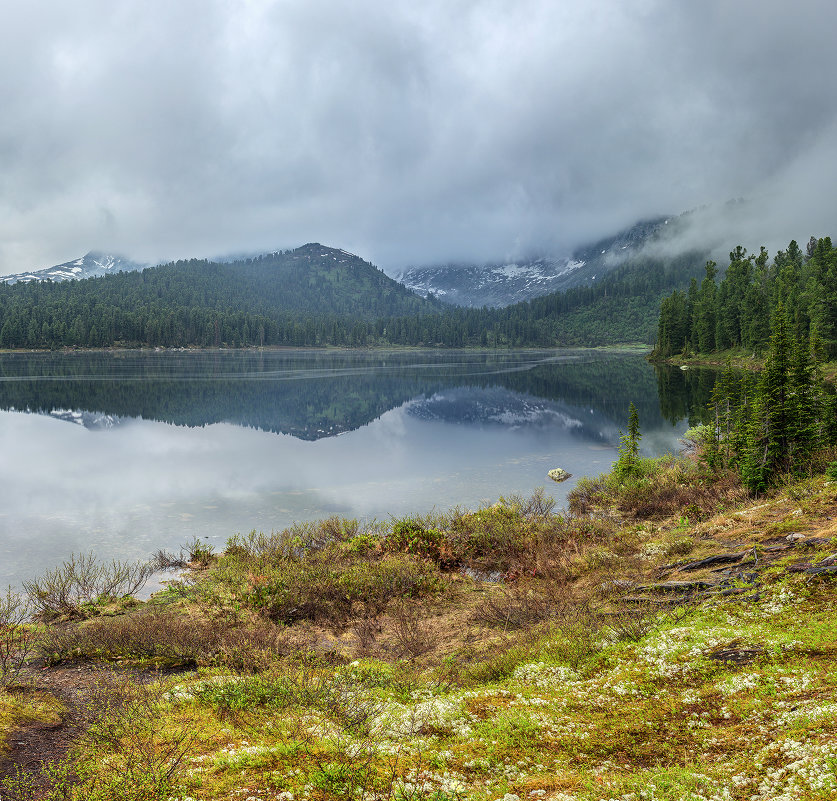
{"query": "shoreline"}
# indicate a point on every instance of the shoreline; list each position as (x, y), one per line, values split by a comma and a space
(738, 359)
(634, 347)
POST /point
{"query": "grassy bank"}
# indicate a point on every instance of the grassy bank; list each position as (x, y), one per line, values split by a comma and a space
(666, 638)
(738, 358)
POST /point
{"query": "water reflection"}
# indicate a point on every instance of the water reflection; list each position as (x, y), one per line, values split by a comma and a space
(128, 453)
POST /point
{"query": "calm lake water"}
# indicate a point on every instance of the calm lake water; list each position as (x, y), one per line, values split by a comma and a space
(124, 453)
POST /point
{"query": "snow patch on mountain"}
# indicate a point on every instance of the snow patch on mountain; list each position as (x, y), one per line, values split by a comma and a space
(504, 283)
(490, 284)
(90, 265)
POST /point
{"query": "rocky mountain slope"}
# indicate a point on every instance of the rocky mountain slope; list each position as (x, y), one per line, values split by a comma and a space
(90, 265)
(503, 283)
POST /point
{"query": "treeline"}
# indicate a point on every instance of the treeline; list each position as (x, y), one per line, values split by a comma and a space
(736, 313)
(318, 296)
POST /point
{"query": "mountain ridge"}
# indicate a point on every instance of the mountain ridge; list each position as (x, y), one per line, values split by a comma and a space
(498, 284)
(468, 284)
(92, 264)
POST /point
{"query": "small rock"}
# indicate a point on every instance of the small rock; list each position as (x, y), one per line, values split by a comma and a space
(557, 474)
(795, 537)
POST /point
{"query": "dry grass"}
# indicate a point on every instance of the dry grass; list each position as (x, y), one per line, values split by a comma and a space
(166, 637)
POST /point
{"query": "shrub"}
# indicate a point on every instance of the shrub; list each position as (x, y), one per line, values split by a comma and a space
(660, 488)
(127, 753)
(495, 536)
(412, 536)
(310, 684)
(166, 638)
(831, 470)
(512, 609)
(82, 582)
(325, 585)
(17, 639)
(412, 636)
(199, 553)
(147, 753)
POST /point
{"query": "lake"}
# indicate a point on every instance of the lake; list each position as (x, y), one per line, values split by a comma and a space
(124, 453)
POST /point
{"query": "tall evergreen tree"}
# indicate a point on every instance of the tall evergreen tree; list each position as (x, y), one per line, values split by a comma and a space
(770, 430)
(703, 325)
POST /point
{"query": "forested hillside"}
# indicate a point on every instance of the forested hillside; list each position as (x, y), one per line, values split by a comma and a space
(316, 296)
(280, 298)
(737, 312)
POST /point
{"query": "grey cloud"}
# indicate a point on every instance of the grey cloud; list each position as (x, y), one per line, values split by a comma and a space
(405, 132)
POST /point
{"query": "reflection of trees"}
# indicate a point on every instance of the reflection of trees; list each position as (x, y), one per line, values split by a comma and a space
(685, 394)
(314, 394)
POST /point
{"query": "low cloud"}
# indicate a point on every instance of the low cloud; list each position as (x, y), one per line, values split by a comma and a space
(408, 133)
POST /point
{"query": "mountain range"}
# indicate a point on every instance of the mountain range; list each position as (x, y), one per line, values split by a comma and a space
(473, 285)
(496, 284)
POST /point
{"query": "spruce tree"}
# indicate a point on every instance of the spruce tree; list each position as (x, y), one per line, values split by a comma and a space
(627, 465)
(769, 432)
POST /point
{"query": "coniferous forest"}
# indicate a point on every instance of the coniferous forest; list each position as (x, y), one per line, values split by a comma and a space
(736, 313)
(779, 421)
(318, 296)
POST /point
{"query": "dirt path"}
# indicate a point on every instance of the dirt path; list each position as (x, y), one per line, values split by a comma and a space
(35, 745)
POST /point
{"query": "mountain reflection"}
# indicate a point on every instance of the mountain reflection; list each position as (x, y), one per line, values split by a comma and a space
(125, 453)
(314, 395)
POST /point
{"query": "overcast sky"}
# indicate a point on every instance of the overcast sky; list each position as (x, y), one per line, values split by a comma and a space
(404, 131)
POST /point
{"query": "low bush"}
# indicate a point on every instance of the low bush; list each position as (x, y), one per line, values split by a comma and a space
(309, 684)
(512, 609)
(412, 536)
(128, 752)
(17, 637)
(659, 488)
(412, 635)
(326, 585)
(74, 588)
(198, 553)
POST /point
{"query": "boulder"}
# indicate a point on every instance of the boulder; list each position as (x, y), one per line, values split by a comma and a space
(557, 474)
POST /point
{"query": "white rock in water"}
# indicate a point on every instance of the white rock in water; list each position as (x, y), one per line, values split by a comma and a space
(557, 474)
